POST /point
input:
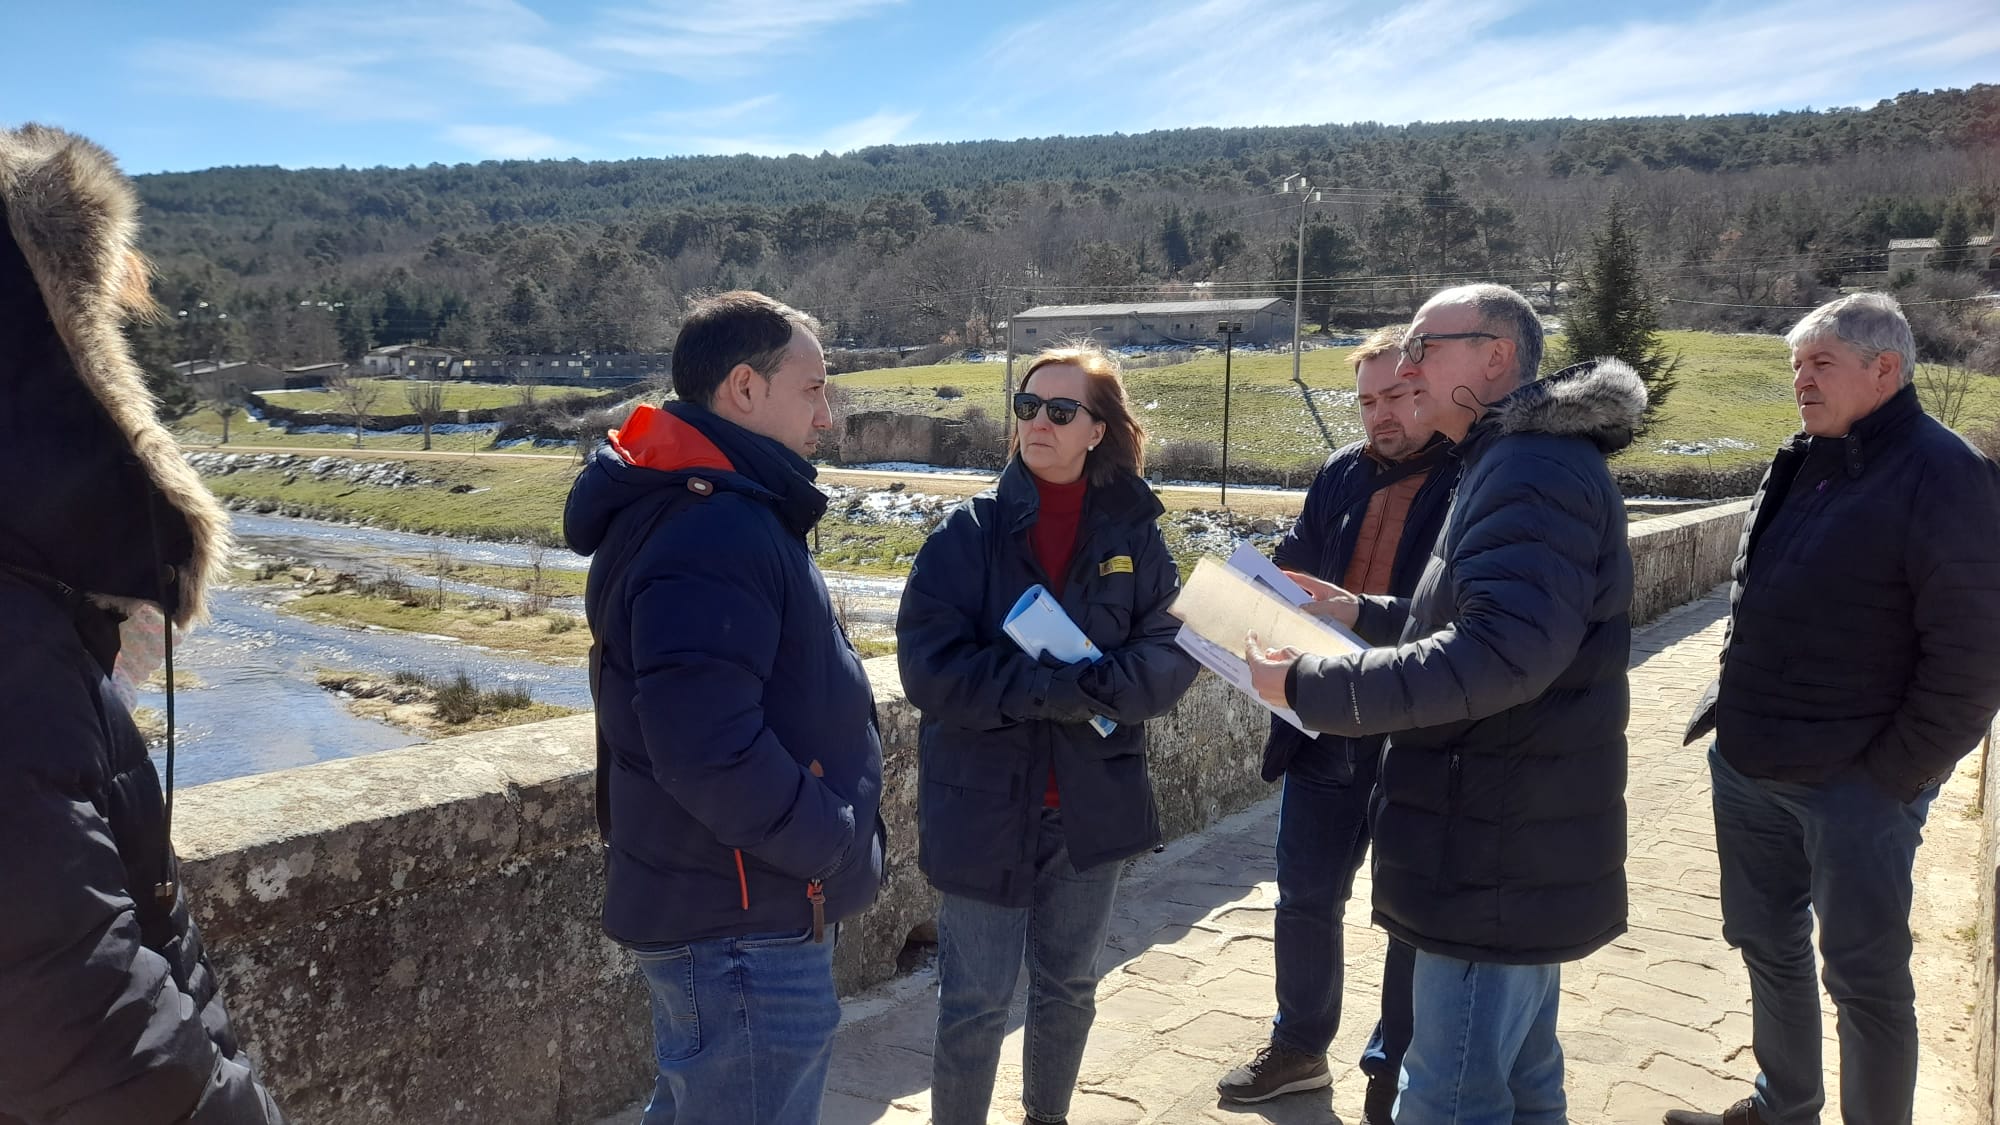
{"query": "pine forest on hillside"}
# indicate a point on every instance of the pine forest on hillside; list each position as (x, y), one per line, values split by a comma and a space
(1739, 219)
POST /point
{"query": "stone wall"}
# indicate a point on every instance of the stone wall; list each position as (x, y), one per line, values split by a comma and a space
(1676, 559)
(413, 935)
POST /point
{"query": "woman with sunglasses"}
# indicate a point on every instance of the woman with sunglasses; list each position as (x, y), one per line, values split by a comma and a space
(1025, 811)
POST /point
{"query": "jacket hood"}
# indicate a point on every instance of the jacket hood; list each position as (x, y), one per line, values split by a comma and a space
(98, 496)
(1600, 399)
(665, 446)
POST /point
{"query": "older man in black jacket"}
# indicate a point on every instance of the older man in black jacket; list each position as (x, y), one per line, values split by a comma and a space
(1863, 661)
(1500, 813)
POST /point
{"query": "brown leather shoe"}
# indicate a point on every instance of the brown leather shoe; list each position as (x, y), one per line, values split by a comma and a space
(1742, 1113)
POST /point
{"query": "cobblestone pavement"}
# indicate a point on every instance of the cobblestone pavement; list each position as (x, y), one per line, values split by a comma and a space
(1658, 1019)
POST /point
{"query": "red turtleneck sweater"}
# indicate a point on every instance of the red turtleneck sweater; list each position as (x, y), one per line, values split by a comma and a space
(1053, 539)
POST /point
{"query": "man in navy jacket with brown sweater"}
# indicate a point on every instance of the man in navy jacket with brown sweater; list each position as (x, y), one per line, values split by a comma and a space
(1368, 524)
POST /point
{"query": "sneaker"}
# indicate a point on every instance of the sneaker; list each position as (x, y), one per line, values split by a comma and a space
(1742, 1113)
(1380, 1101)
(1277, 1070)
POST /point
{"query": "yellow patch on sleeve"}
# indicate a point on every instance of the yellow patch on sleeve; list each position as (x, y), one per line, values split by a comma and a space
(1116, 564)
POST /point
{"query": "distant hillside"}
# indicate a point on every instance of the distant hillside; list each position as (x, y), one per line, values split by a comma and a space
(915, 243)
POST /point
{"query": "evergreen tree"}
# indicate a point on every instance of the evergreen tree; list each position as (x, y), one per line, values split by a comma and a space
(1175, 243)
(1952, 236)
(1611, 313)
(1330, 252)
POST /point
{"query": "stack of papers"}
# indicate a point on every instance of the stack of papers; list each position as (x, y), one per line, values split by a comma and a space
(1224, 602)
(1039, 625)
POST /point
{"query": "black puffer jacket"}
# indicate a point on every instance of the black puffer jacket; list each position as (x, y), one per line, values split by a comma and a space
(1500, 812)
(995, 720)
(109, 1015)
(1865, 616)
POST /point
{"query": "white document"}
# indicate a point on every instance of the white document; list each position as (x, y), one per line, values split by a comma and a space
(1234, 670)
(1224, 602)
(1251, 563)
(1039, 625)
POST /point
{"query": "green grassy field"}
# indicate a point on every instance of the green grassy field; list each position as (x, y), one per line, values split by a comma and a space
(392, 398)
(1734, 395)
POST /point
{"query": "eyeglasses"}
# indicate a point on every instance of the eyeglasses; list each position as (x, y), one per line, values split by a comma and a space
(1413, 346)
(1061, 410)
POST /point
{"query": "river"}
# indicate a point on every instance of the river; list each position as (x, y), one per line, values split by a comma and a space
(257, 707)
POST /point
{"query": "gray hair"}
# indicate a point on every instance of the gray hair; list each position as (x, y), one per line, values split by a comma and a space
(1507, 313)
(1870, 323)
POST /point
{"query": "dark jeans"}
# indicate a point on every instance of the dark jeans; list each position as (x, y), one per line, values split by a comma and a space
(1842, 850)
(1322, 840)
(980, 949)
(742, 1029)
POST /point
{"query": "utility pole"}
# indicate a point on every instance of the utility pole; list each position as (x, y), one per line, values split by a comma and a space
(1308, 195)
(1228, 330)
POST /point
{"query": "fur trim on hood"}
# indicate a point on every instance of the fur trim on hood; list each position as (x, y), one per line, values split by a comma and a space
(1601, 399)
(74, 218)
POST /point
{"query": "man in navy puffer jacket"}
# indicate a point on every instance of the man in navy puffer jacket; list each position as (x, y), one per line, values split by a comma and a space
(739, 767)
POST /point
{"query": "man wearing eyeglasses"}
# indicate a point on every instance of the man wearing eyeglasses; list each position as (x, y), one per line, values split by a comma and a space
(1369, 522)
(1499, 812)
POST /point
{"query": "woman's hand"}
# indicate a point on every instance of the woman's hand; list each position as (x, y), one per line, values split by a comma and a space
(1328, 600)
(1269, 668)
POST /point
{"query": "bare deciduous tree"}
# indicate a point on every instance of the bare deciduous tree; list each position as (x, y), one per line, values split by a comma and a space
(427, 400)
(357, 397)
(219, 390)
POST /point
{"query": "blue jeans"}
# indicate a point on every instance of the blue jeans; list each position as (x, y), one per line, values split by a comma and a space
(742, 1029)
(1322, 840)
(1485, 1050)
(980, 949)
(1843, 850)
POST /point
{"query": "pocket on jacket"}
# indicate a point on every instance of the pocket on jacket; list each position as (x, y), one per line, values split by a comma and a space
(669, 973)
(1108, 611)
(1128, 741)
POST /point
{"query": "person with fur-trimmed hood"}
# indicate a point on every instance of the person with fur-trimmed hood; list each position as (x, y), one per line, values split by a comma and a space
(1499, 813)
(109, 1012)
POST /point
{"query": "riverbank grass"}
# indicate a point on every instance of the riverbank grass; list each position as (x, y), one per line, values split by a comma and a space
(437, 705)
(553, 638)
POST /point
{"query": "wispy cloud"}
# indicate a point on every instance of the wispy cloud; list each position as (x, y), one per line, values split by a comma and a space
(1294, 61)
(696, 38)
(504, 142)
(378, 61)
(703, 116)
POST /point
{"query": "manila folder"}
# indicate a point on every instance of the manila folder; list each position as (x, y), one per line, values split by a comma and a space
(1224, 607)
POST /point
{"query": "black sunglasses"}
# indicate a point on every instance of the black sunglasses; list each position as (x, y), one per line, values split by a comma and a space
(1413, 346)
(1061, 410)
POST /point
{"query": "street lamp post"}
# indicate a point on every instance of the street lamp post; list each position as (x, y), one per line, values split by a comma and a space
(1308, 195)
(1228, 329)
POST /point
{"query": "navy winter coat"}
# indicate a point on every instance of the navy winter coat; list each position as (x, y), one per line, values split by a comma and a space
(1865, 616)
(995, 720)
(743, 759)
(1499, 816)
(1321, 543)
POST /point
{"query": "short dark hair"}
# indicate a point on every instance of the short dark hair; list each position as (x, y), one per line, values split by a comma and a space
(731, 328)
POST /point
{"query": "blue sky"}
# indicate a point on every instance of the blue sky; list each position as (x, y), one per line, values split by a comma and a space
(171, 86)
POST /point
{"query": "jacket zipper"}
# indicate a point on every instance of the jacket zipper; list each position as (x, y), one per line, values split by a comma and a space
(1450, 818)
(742, 880)
(817, 896)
